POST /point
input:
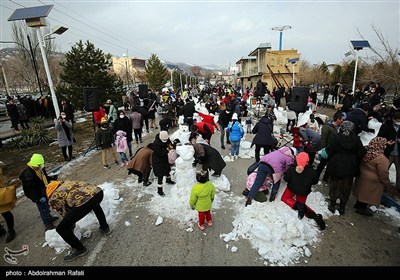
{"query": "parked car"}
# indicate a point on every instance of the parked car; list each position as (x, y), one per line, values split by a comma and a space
(3, 108)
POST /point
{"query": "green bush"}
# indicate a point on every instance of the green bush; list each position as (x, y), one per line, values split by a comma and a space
(36, 135)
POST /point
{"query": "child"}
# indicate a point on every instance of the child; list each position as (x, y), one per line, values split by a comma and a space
(299, 179)
(236, 133)
(249, 122)
(104, 141)
(263, 190)
(201, 198)
(121, 144)
(291, 118)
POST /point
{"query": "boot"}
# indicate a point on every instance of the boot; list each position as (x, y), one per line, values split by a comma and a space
(248, 201)
(296, 206)
(272, 197)
(245, 192)
(301, 210)
(332, 206)
(320, 222)
(169, 181)
(342, 208)
(10, 235)
(317, 217)
(146, 183)
(160, 191)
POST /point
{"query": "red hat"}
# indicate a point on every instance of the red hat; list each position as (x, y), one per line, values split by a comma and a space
(301, 160)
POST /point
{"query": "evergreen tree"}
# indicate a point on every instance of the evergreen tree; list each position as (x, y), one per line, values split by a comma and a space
(156, 74)
(86, 66)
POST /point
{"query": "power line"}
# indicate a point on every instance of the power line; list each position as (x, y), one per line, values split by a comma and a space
(102, 27)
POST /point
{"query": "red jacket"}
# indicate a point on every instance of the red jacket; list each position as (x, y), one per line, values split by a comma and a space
(201, 126)
(208, 119)
(98, 115)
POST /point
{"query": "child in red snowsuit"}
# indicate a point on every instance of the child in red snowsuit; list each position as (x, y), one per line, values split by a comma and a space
(300, 178)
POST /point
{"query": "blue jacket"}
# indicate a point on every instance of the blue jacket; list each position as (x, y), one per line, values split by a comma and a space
(236, 131)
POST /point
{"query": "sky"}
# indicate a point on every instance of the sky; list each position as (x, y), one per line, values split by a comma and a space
(280, 238)
(216, 32)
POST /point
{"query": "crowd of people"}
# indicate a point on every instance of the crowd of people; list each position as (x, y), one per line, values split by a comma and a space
(336, 142)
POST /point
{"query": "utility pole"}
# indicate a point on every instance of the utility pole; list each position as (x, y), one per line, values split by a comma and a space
(5, 80)
(281, 29)
(35, 65)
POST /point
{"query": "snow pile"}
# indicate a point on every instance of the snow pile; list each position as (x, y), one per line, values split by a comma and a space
(274, 229)
(89, 223)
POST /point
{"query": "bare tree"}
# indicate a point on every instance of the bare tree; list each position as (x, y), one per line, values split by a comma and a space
(383, 66)
(196, 70)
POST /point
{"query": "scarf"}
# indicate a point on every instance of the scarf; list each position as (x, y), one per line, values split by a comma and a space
(66, 130)
(39, 172)
(375, 148)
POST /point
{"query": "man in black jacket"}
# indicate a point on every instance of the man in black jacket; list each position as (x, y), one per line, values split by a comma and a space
(34, 181)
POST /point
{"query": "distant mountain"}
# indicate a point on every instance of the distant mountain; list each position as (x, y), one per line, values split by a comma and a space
(212, 67)
(187, 66)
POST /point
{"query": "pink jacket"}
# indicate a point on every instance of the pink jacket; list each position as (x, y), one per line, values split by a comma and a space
(252, 177)
(121, 143)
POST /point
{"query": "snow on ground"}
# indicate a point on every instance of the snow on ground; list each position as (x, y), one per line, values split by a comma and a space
(273, 229)
(89, 223)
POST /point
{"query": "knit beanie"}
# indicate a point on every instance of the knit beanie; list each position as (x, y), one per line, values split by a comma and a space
(301, 160)
(37, 160)
(164, 136)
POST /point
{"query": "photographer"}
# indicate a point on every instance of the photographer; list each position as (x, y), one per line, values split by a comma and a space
(65, 137)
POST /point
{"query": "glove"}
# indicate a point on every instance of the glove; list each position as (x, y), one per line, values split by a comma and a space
(43, 200)
(324, 154)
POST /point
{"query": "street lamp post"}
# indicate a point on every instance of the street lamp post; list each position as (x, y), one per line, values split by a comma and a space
(281, 29)
(357, 45)
(36, 17)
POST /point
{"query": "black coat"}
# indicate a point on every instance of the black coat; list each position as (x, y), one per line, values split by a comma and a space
(345, 154)
(159, 158)
(300, 183)
(360, 120)
(213, 159)
(387, 131)
(104, 138)
(33, 186)
(124, 124)
(263, 133)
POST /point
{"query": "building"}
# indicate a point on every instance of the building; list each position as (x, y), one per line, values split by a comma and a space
(271, 66)
(128, 68)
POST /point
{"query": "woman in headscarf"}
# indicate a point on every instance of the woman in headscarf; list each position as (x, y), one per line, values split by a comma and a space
(345, 152)
(374, 177)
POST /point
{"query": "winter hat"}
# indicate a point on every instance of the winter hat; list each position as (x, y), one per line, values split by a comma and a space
(301, 160)
(164, 136)
(37, 160)
(51, 187)
(121, 133)
(103, 120)
(234, 116)
(346, 128)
